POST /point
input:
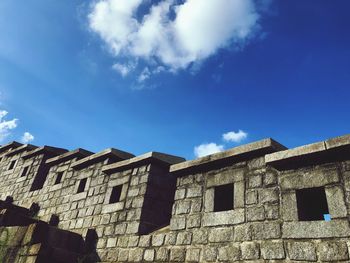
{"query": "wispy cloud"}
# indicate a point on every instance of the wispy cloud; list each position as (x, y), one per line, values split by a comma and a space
(27, 137)
(6, 125)
(124, 69)
(211, 148)
(207, 149)
(234, 136)
(173, 34)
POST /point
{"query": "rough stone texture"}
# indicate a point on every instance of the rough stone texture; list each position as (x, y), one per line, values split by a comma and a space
(302, 251)
(272, 250)
(169, 217)
(333, 251)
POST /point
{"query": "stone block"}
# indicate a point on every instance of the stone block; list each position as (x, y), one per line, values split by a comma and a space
(194, 221)
(336, 201)
(196, 205)
(239, 194)
(316, 229)
(209, 200)
(229, 253)
(255, 181)
(194, 192)
(249, 250)
(177, 254)
(158, 240)
(264, 230)
(311, 178)
(272, 211)
(200, 236)
(270, 178)
(302, 251)
(255, 213)
(333, 251)
(289, 206)
(193, 255)
(269, 195)
(210, 254)
(180, 194)
(183, 207)
(251, 197)
(184, 238)
(272, 250)
(217, 235)
(149, 255)
(231, 217)
(177, 223)
(225, 177)
(162, 254)
(136, 255)
(145, 241)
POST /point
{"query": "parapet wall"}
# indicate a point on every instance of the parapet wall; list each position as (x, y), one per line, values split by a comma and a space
(254, 203)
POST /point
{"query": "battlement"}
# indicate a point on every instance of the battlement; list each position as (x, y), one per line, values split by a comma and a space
(252, 203)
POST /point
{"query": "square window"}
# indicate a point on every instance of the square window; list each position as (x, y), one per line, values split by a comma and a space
(115, 194)
(25, 171)
(12, 165)
(82, 184)
(312, 204)
(59, 178)
(223, 197)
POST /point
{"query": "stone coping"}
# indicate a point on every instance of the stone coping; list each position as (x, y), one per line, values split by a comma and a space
(319, 151)
(44, 149)
(10, 145)
(24, 147)
(97, 157)
(240, 153)
(80, 153)
(144, 158)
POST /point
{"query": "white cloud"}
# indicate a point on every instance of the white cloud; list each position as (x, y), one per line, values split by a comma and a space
(172, 33)
(235, 136)
(207, 149)
(27, 137)
(6, 126)
(124, 69)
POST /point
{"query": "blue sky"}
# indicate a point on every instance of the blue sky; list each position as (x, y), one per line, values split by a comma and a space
(277, 69)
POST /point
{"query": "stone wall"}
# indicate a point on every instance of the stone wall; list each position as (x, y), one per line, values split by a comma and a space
(254, 203)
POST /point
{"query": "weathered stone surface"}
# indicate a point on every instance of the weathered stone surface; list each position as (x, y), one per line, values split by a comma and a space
(255, 181)
(310, 178)
(193, 255)
(269, 195)
(221, 235)
(177, 254)
(255, 213)
(251, 197)
(232, 217)
(149, 255)
(229, 253)
(336, 201)
(316, 229)
(272, 250)
(289, 206)
(333, 251)
(210, 254)
(250, 250)
(162, 254)
(177, 223)
(302, 251)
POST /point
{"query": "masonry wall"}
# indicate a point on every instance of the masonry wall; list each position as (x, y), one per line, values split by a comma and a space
(169, 217)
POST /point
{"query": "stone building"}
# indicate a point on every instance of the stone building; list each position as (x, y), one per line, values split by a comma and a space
(258, 202)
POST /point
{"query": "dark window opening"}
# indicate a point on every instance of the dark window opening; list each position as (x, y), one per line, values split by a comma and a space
(312, 204)
(223, 197)
(12, 165)
(59, 178)
(25, 170)
(40, 177)
(115, 195)
(82, 184)
(54, 220)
